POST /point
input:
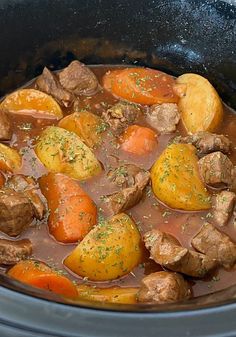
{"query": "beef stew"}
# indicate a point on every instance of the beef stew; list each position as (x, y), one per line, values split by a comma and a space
(83, 143)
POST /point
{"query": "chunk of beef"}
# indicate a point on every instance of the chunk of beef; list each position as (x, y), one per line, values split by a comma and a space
(163, 287)
(120, 115)
(28, 186)
(5, 126)
(78, 79)
(16, 212)
(164, 117)
(233, 186)
(166, 250)
(223, 207)
(216, 245)
(216, 170)
(123, 200)
(135, 179)
(12, 252)
(48, 82)
(127, 175)
(207, 142)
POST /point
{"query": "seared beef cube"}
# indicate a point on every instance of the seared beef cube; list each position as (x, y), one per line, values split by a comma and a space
(28, 186)
(163, 287)
(123, 200)
(223, 207)
(5, 126)
(216, 245)
(21, 183)
(78, 79)
(164, 117)
(166, 250)
(16, 212)
(128, 196)
(49, 83)
(216, 169)
(127, 175)
(207, 142)
(37, 203)
(141, 179)
(120, 115)
(233, 186)
(12, 252)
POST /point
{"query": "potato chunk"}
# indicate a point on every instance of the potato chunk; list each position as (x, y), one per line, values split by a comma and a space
(110, 250)
(110, 295)
(176, 180)
(29, 101)
(86, 125)
(201, 108)
(10, 159)
(62, 151)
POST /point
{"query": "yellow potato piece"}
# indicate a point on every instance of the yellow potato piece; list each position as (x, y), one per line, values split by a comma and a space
(29, 101)
(110, 295)
(176, 180)
(10, 159)
(64, 152)
(201, 108)
(110, 250)
(86, 125)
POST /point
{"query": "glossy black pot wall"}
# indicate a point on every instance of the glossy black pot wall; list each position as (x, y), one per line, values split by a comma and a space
(174, 35)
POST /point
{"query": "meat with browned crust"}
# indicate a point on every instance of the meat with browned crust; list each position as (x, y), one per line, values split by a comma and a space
(163, 287)
(207, 142)
(28, 186)
(216, 170)
(166, 250)
(12, 252)
(164, 117)
(78, 79)
(134, 179)
(223, 205)
(216, 245)
(121, 115)
(48, 82)
(16, 212)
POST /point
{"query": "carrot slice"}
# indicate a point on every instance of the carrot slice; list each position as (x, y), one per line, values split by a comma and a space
(141, 85)
(72, 211)
(56, 186)
(73, 220)
(39, 275)
(30, 101)
(138, 140)
(110, 78)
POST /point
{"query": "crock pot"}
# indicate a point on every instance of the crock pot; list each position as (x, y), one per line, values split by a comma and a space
(175, 36)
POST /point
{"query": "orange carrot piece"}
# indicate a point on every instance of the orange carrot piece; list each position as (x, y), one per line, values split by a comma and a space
(39, 275)
(141, 85)
(109, 79)
(72, 211)
(138, 140)
(74, 219)
(56, 186)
